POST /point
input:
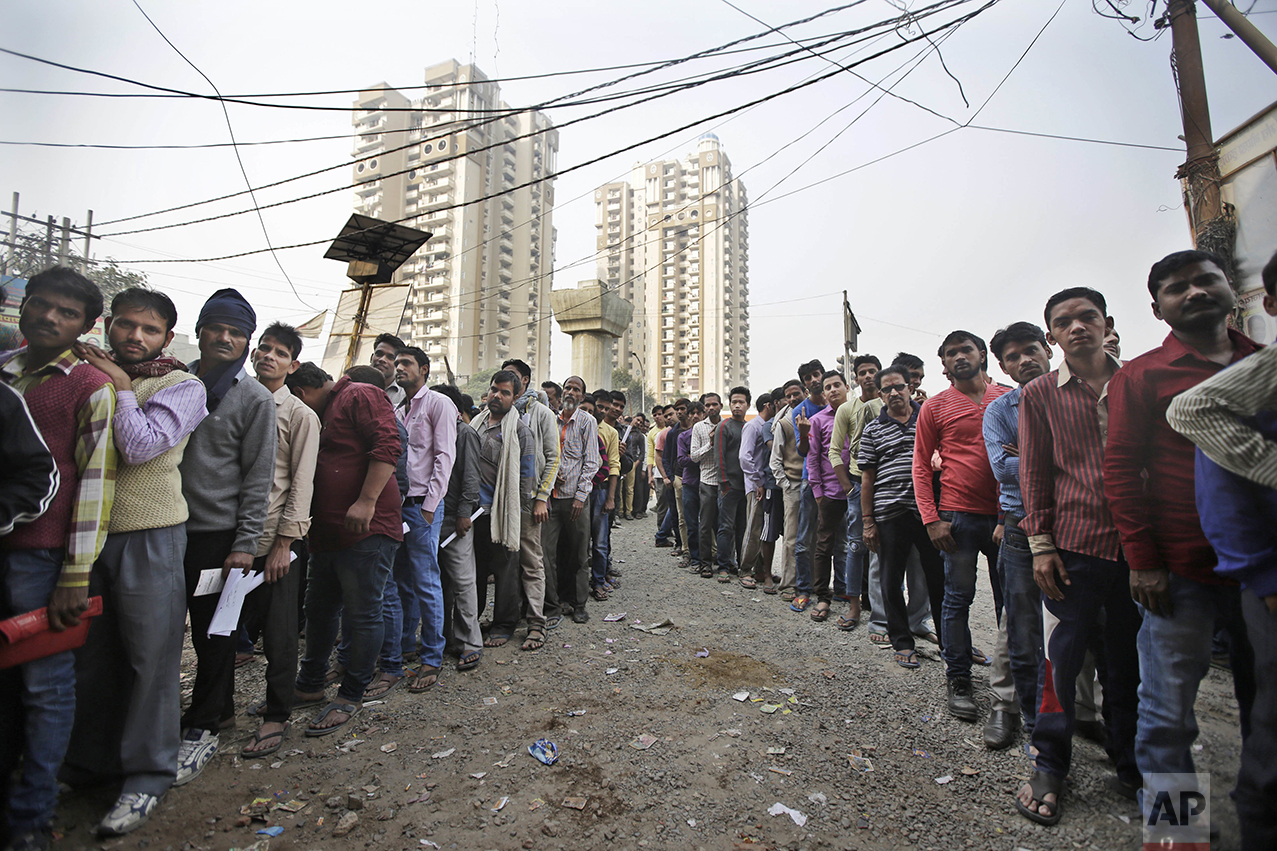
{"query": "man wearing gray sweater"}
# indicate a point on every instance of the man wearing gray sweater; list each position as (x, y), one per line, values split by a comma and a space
(227, 474)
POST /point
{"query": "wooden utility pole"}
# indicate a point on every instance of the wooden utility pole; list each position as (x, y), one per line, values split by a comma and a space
(1213, 230)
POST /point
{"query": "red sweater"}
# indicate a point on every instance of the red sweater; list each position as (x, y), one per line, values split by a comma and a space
(952, 423)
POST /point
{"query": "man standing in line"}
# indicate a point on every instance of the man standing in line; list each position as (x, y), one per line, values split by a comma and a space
(1149, 481)
(507, 477)
(48, 561)
(849, 421)
(462, 635)
(831, 501)
(655, 474)
(384, 351)
(573, 483)
(273, 604)
(553, 395)
(227, 472)
(689, 477)
(636, 480)
(766, 507)
(1077, 553)
(431, 421)
(702, 452)
(917, 372)
(787, 469)
(1023, 353)
(732, 520)
(545, 440)
(127, 672)
(676, 521)
(962, 525)
(604, 498)
(812, 375)
(355, 532)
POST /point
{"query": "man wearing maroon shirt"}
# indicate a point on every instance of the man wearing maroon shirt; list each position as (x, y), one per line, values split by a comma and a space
(1149, 480)
(355, 531)
(962, 525)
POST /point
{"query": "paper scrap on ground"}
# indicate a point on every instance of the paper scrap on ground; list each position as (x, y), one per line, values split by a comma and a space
(453, 536)
(613, 617)
(858, 762)
(226, 615)
(780, 809)
(660, 628)
(643, 742)
(210, 582)
(442, 754)
(742, 696)
(946, 779)
(575, 803)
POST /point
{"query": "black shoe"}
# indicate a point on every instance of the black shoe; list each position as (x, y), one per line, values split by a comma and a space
(1092, 731)
(962, 700)
(661, 543)
(580, 615)
(1000, 729)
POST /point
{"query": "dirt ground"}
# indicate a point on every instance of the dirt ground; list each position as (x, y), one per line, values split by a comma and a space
(450, 768)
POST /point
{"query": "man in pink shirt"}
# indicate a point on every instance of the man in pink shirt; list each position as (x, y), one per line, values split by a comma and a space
(831, 505)
(962, 524)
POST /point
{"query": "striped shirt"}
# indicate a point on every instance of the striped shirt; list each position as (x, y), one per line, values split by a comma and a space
(578, 455)
(143, 432)
(886, 447)
(1061, 466)
(1213, 415)
(703, 453)
(953, 424)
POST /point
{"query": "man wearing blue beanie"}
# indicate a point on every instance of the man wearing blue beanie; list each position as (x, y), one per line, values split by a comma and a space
(227, 474)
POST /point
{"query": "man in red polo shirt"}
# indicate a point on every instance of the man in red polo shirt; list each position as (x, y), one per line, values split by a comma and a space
(962, 525)
(1149, 480)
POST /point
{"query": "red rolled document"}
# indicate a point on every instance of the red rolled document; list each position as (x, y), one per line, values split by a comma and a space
(27, 636)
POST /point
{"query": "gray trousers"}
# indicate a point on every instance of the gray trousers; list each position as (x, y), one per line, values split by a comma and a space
(567, 581)
(788, 574)
(532, 569)
(128, 706)
(919, 606)
(460, 596)
(708, 525)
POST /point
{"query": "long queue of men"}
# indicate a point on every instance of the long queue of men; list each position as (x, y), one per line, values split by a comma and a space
(375, 509)
(391, 507)
(1117, 554)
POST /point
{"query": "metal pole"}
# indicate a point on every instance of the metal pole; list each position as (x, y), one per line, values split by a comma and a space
(88, 235)
(48, 241)
(1245, 30)
(13, 233)
(64, 244)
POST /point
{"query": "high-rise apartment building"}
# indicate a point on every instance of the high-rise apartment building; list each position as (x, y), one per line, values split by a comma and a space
(449, 163)
(674, 240)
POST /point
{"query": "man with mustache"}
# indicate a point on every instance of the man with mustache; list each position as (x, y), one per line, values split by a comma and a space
(573, 482)
(127, 672)
(227, 473)
(47, 562)
(1149, 479)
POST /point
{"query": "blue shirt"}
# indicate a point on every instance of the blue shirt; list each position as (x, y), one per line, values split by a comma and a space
(1002, 427)
(1239, 518)
(755, 445)
(809, 409)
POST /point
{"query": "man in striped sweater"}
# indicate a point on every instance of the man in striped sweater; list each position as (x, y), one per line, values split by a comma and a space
(127, 723)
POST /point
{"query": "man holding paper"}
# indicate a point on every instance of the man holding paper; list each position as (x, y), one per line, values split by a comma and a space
(456, 552)
(127, 686)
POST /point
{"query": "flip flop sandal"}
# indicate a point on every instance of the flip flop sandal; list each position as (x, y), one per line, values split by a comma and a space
(770, 589)
(707, 573)
(350, 709)
(335, 673)
(242, 659)
(724, 576)
(787, 596)
(470, 661)
(553, 621)
(258, 738)
(930, 636)
(1042, 784)
(383, 685)
(416, 687)
(534, 643)
(498, 640)
(747, 582)
(907, 659)
(978, 658)
(820, 615)
(800, 603)
(847, 624)
(880, 639)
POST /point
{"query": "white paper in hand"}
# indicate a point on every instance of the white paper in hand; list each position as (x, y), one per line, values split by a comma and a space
(226, 616)
(210, 582)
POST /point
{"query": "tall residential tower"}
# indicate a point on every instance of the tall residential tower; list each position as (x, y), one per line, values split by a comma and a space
(448, 163)
(674, 240)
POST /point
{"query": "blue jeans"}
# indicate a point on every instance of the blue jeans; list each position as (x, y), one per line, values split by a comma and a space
(973, 534)
(1175, 656)
(421, 567)
(47, 695)
(854, 569)
(392, 618)
(1022, 602)
(805, 544)
(692, 511)
(601, 536)
(352, 580)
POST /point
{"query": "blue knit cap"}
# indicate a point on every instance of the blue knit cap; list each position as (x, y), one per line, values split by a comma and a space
(228, 307)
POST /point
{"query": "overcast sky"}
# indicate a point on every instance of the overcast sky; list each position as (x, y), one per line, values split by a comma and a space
(973, 230)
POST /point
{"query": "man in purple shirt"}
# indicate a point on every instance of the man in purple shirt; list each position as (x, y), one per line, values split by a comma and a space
(127, 672)
(431, 421)
(831, 502)
(691, 478)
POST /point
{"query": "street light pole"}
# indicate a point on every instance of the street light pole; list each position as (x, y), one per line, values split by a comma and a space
(642, 382)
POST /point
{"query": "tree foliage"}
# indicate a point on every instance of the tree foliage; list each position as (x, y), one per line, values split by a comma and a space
(624, 380)
(32, 254)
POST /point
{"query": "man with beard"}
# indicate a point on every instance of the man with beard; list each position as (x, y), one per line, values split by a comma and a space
(702, 452)
(540, 420)
(1149, 480)
(127, 673)
(227, 473)
(384, 351)
(47, 562)
(962, 524)
(732, 518)
(787, 468)
(507, 477)
(573, 483)
(812, 375)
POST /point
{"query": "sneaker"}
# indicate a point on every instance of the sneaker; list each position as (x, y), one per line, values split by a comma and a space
(196, 749)
(962, 700)
(129, 812)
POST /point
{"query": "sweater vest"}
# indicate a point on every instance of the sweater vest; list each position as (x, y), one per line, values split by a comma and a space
(149, 495)
(53, 405)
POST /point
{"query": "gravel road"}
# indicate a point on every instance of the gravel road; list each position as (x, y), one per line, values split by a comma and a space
(450, 768)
